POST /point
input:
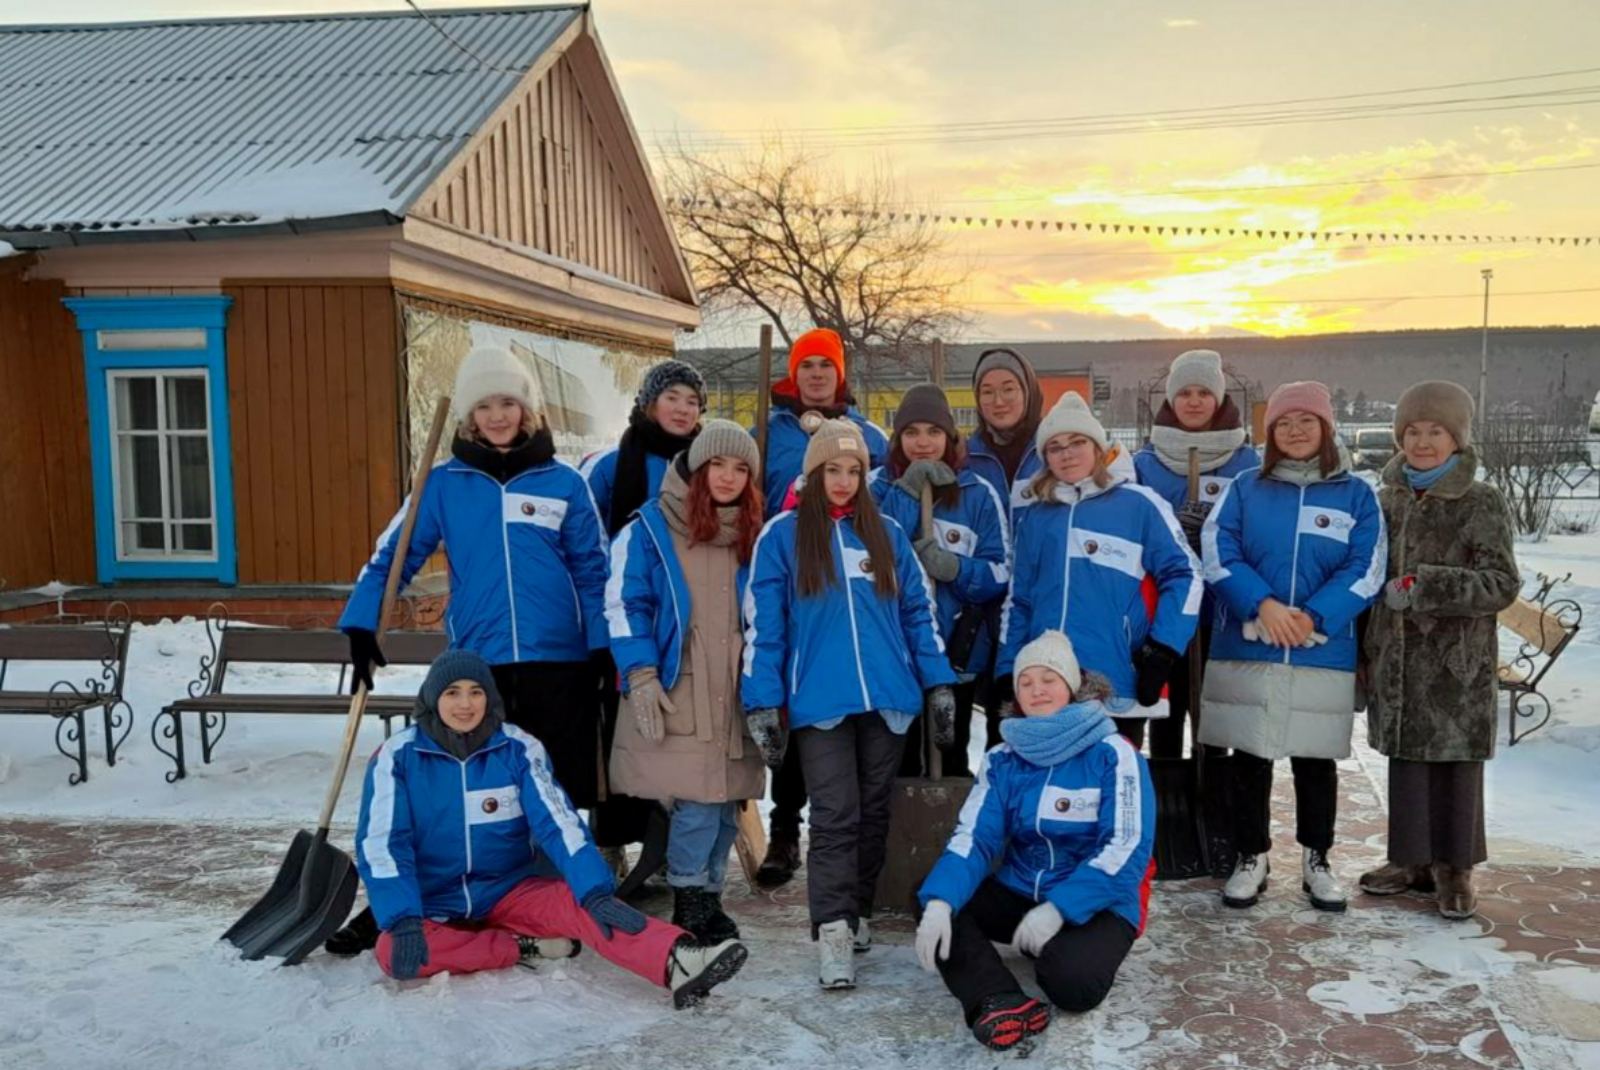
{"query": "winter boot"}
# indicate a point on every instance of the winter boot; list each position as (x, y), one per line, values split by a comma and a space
(719, 926)
(1390, 879)
(863, 940)
(1457, 900)
(533, 948)
(782, 858)
(1249, 880)
(1318, 882)
(359, 934)
(835, 945)
(1008, 1018)
(694, 969)
(691, 912)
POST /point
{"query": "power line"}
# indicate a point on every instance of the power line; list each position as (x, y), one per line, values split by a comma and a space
(1156, 300)
(463, 49)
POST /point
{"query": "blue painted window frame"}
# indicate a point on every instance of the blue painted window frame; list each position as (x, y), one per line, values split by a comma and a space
(208, 312)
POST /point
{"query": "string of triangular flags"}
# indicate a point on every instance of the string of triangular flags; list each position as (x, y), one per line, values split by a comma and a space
(1091, 226)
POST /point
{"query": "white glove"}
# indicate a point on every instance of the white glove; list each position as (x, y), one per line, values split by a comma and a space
(1036, 928)
(1251, 631)
(1315, 639)
(933, 934)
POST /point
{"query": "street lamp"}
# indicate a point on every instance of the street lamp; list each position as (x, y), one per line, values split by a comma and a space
(1483, 366)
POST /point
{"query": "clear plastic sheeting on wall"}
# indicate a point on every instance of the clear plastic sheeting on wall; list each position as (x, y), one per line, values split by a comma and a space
(584, 391)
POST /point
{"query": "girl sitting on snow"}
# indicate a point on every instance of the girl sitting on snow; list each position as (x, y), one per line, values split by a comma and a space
(1069, 803)
(460, 821)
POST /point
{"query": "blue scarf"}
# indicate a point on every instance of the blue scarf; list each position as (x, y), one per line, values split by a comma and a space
(1051, 739)
(1421, 481)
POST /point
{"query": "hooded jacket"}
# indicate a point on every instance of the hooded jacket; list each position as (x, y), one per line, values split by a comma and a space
(844, 651)
(527, 562)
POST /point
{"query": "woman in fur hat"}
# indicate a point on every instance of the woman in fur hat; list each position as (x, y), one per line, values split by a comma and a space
(1432, 647)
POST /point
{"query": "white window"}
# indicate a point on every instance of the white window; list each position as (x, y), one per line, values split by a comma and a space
(966, 417)
(162, 465)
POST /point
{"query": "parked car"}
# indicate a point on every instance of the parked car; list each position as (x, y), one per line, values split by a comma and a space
(1373, 447)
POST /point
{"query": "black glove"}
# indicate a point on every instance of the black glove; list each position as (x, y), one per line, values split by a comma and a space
(408, 948)
(1003, 693)
(1191, 518)
(609, 913)
(364, 654)
(605, 669)
(1153, 663)
(770, 733)
(941, 706)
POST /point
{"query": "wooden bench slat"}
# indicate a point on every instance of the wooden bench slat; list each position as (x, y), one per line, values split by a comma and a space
(30, 642)
(1534, 625)
(45, 702)
(239, 702)
(323, 646)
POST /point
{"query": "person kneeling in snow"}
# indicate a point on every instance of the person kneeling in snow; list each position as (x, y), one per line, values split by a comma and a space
(474, 859)
(1069, 801)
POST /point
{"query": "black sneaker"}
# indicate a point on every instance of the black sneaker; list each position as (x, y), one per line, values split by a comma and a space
(782, 859)
(1004, 1021)
(359, 934)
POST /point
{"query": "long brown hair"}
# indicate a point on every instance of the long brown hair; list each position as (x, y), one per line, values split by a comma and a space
(705, 524)
(1327, 455)
(813, 539)
(955, 456)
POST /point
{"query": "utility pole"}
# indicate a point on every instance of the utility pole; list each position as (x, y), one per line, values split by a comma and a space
(1483, 366)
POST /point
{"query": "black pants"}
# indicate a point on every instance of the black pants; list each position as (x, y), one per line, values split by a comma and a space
(1316, 802)
(850, 773)
(1166, 736)
(953, 759)
(788, 796)
(1075, 969)
(556, 702)
(1133, 728)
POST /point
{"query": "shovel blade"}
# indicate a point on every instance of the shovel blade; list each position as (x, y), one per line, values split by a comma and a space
(922, 815)
(1181, 841)
(313, 890)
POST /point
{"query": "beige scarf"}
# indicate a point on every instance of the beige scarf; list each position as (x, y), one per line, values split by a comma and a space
(675, 507)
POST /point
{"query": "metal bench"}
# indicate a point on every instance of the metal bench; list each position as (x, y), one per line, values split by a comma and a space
(105, 642)
(1545, 628)
(235, 645)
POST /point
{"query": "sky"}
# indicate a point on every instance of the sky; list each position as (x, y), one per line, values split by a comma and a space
(962, 104)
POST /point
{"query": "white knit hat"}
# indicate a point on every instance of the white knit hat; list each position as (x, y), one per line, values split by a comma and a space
(489, 371)
(1070, 416)
(1197, 367)
(1052, 651)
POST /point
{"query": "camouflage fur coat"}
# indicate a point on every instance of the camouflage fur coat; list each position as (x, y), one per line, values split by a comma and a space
(1431, 669)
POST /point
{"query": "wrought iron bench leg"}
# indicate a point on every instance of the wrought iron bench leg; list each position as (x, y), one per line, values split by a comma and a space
(208, 742)
(1525, 705)
(72, 726)
(173, 731)
(117, 714)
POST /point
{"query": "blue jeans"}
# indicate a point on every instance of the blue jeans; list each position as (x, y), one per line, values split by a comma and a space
(698, 842)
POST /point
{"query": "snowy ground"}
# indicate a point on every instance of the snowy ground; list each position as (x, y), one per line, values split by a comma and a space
(112, 895)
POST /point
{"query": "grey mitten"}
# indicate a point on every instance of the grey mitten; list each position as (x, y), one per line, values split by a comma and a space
(1397, 593)
(649, 703)
(1191, 518)
(941, 707)
(940, 563)
(767, 729)
(926, 473)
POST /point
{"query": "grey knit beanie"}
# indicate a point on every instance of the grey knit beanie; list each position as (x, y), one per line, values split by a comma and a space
(724, 438)
(925, 403)
(1070, 416)
(665, 376)
(1197, 367)
(455, 665)
(1440, 401)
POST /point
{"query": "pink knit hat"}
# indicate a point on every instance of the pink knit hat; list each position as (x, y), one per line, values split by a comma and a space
(1308, 396)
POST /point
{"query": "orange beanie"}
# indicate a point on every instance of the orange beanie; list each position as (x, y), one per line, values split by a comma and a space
(818, 342)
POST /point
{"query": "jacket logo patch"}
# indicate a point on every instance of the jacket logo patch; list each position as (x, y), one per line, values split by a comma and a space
(535, 509)
(491, 804)
(528, 509)
(952, 537)
(1063, 805)
(1324, 520)
(486, 806)
(1213, 488)
(866, 565)
(1090, 546)
(1077, 806)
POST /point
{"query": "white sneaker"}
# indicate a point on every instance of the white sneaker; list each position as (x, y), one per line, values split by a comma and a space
(836, 947)
(863, 941)
(694, 969)
(1249, 880)
(1318, 881)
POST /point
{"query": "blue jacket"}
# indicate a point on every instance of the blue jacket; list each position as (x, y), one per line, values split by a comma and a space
(600, 469)
(1174, 486)
(527, 563)
(982, 460)
(1080, 561)
(1078, 834)
(647, 598)
(1322, 548)
(786, 451)
(975, 530)
(845, 651)
(444, 839)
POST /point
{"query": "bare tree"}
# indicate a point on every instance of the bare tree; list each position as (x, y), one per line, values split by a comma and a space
(1534, 453)
(776, 232)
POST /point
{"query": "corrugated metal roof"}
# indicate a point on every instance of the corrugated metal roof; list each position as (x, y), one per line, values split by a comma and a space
(136, 128)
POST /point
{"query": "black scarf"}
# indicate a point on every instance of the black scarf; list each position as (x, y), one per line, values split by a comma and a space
(462, 745)
(631, 485)
(525, 452)
(790, 400)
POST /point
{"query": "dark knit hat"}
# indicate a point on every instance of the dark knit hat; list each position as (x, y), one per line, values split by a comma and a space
(455, 665)
(446, 669)
(1442, 402)
(665, 376)
(925, 403)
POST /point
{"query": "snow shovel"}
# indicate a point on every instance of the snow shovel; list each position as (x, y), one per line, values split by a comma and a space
(311, 895)
(922, 810)
(1184, 841)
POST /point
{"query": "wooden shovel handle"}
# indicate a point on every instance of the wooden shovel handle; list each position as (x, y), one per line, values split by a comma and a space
(391, 589)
